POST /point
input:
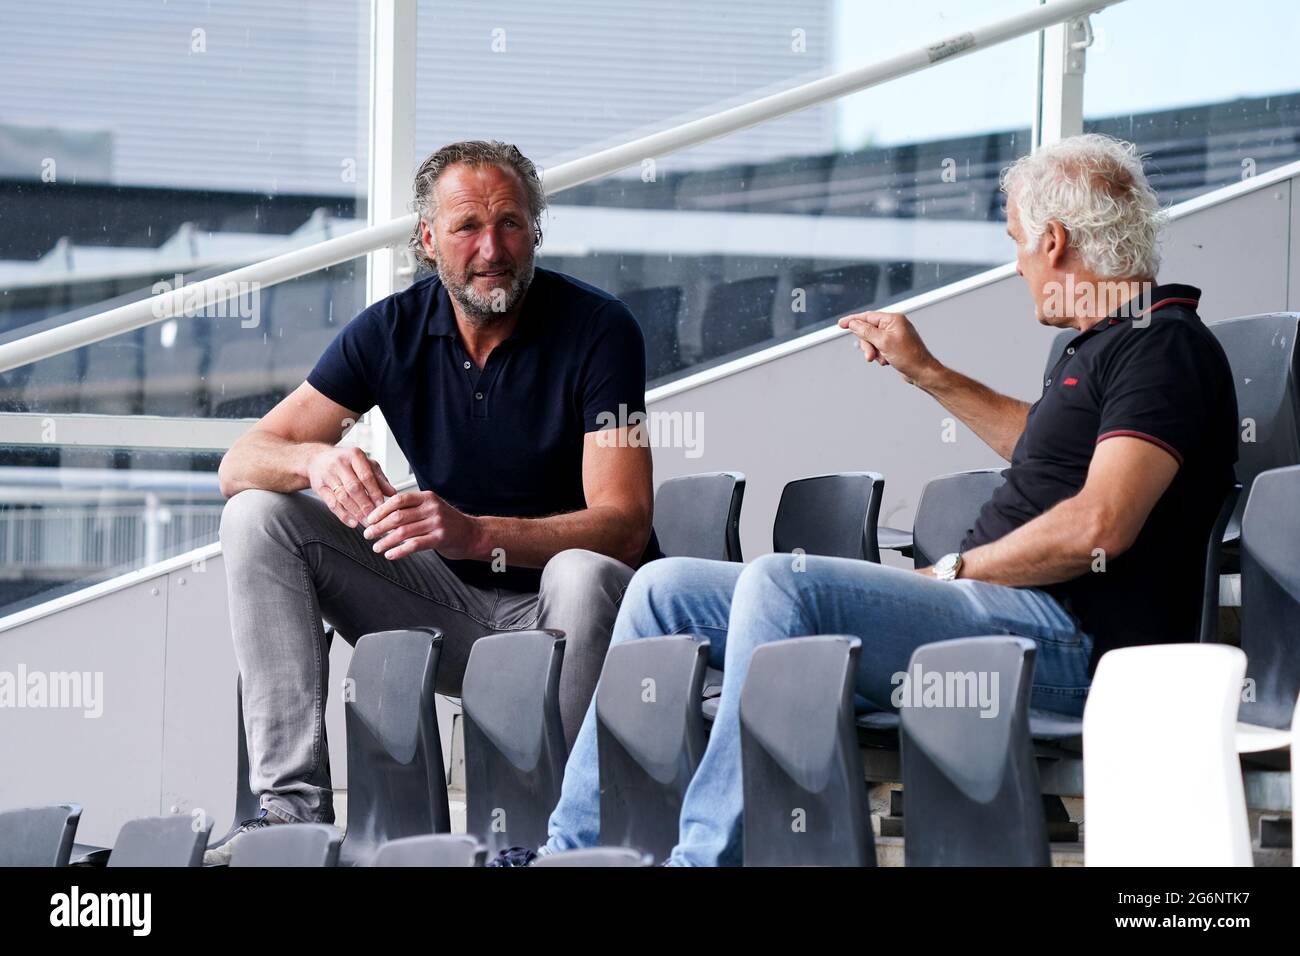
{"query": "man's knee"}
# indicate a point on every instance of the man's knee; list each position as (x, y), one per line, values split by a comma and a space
(256, 510)
(581, 574)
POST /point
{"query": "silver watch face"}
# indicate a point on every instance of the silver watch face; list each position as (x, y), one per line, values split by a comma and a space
(947, 565)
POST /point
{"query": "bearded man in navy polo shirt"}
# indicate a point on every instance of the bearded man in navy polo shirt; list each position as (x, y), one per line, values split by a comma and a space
(1095, 540)
(499, 382)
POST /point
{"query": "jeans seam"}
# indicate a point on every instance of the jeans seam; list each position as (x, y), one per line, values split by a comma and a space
(422, 594)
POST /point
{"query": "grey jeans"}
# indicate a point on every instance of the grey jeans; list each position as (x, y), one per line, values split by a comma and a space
(289, 562)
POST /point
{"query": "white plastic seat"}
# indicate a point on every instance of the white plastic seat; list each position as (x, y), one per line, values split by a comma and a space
(1162, 781)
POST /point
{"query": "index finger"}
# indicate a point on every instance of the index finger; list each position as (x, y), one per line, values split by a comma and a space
(362, 468)
(396, 503)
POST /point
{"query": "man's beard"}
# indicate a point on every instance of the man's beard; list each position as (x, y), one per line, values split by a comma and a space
(497, 304)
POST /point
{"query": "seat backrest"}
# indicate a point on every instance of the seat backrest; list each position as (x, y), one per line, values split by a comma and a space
(296, 845)
(1265, 363)
(737, 315)
(600, 856)
(514, 741)
(650, 737)
(396, 783)
(161, 841)
(947, 511)
(805, 794)
(1214, 565)
(1270, 597)
(38, 836)
(970, 780)
(435, 849)
(656, 311)
(698, 516)
(1162, 780)
(832, 515)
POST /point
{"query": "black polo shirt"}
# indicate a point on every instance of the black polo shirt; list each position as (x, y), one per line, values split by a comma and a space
(506, 440)
(1151, 371)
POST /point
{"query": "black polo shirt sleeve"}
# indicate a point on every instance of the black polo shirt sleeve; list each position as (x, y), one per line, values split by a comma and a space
(1153, 388)
(612, 379)
(350, 369)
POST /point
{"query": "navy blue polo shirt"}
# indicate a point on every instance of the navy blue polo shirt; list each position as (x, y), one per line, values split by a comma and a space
(1151, 371)
(506, 440)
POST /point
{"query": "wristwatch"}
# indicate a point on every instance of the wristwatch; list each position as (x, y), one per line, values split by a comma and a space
(948, 567)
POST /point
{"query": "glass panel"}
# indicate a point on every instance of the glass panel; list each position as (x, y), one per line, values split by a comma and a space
(188, 138)
(1211, 94)
(71, 517)
(232, 359)
(771, 232)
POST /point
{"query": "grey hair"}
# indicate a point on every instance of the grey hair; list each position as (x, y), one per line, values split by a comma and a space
(473, 152)
(1095, 187)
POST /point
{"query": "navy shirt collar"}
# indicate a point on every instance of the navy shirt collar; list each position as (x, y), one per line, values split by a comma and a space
(1146, 301)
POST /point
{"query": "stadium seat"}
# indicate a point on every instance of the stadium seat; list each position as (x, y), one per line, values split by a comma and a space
(805, 796)
(1265, 365)
(396, 783)
(514, 741)
(296, 845)
(435, 849)
(947, 510)
(971, 781)
(38, 836)
(832, 515)
(600, 856)
(1162, 782)
(161, 841)
(830, 293)
(657, 311)
(1270, 610)
(698, 516)
(738, 316)
(650, 738)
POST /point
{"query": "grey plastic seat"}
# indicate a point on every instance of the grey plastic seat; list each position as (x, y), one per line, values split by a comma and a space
(295, 845)
(833, 515)
(805, 794)
(947, 510)
(657, 311)
(737, 316)
(432, 850)
(514, 741)
(1270, 598)
(601, 856)
(698, 516)
(650, 738)
(1265, 361)
(160, 841)
(38, 836)
(397, 786)
(969, 773)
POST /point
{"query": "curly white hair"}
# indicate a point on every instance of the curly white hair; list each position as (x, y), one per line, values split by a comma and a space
(1095, 186)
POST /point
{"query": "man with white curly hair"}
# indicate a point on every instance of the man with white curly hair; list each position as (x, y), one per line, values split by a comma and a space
(1096, 540)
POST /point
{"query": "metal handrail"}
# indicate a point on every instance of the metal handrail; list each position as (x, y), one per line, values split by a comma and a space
(291, 265)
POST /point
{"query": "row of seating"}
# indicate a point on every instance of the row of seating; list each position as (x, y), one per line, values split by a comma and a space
(803, 705)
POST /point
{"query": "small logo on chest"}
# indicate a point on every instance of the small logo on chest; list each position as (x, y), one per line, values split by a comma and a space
(1070, 382)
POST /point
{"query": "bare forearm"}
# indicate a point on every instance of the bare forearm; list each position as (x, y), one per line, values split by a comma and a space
(997, 419)
(1062, 543)
(531, 542)
(263, 460)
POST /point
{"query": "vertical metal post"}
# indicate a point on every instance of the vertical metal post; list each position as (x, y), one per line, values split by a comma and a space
(1063, 60)
(392, 155)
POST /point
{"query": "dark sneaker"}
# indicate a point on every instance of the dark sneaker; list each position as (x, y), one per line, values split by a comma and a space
(220, 856)
(515, 856)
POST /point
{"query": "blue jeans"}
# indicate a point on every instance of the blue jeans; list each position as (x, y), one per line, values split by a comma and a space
(738, 607)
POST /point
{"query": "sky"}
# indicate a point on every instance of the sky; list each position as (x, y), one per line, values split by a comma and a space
(1148, 55)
